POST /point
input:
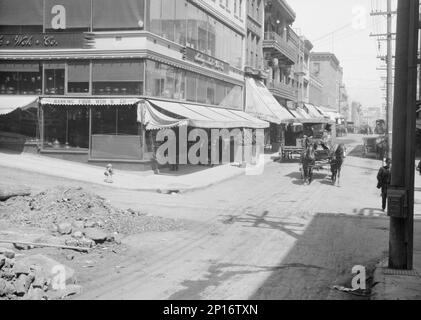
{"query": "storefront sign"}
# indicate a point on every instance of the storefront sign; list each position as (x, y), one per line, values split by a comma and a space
(205, 60)
(43, 41)
(88, 102)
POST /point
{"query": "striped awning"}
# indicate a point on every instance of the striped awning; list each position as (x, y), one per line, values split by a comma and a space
(10, 103)
(209, 117)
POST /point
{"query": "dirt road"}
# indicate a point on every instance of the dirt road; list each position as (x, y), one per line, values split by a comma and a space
(256, 237)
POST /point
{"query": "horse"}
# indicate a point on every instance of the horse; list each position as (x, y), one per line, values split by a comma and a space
(308, 159)
(336, 161)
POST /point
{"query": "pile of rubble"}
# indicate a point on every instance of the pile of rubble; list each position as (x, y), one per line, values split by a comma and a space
(34, 277)
(80, 217)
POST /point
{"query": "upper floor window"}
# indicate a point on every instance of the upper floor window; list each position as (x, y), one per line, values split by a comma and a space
(21, 16)
(114, 15)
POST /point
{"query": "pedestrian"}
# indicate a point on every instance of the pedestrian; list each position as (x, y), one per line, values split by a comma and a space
(383, 181)
(419, 167)
(154, 160)
(109, 172)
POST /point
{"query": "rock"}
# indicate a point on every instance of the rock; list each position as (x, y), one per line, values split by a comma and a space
(77, 235)
(9, 263)
(2, 260)
(21, 246)
(72, 242)
(7, 274)
(21, 267)
(114, 238)
(95, 234)
(86, 243)
(78, 225)
(6, 288)
(70, 257)
(70, 290)
(35, 294)
(39, 281)
(22, 284)
(50, 268)
(53, 228)
(8, 253)
(64, 228)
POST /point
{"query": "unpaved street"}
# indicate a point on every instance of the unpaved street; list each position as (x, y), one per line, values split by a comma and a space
(254, 237)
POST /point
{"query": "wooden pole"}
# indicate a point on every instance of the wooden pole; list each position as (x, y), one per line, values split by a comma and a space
(401, 208)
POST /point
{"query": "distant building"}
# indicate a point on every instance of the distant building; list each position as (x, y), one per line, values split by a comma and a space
(326, 67)
(302, 71)
(315, 90)
(356, 113)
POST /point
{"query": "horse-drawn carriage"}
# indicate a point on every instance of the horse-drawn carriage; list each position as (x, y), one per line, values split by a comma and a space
(374, 147)
(317, 157)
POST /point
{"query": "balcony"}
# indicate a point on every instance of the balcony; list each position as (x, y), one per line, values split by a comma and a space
(280, 48)
(283, 91)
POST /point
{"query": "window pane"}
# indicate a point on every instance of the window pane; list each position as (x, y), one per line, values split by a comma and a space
(192, 38)
(117, 77)
(54, 78)
(201, 89)
(180, 22)
(77, 14)
(167, 18)
(20, 78)
(66, 127)
(21, 16)
(155, 17)
(78, 78)
(122, 14)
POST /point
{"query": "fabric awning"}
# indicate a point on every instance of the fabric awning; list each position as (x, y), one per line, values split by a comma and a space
(333, 115)
(262, 104)
(313, 111)
(88, 102)
(10, 103)
(209, 117)
(155, 120)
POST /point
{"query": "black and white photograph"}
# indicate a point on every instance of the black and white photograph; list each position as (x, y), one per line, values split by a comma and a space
(222, 153)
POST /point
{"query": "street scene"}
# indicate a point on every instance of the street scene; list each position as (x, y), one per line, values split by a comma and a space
(185, 150)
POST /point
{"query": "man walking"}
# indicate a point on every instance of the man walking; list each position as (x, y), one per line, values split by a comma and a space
(383, 181)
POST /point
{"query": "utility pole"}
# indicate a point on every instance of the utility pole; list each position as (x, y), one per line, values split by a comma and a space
(401, 191)
(389, 70)
(389, 84)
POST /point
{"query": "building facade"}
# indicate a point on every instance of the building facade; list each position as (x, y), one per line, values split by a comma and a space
(280, 48)
(90, 61)
(302, 71)
(326, 67)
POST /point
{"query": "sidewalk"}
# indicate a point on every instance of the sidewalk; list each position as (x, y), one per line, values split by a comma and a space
(398, 284)
(138, 181)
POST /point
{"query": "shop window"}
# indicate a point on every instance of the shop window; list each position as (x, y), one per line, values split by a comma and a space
(20, 78)
(117, 77)
(54, 78)
(67, 15)
(21, 16)
(78, 78)
(118, 15)
(115, 120)
(66, 127)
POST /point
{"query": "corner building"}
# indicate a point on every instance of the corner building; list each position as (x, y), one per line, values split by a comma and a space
(91, 64)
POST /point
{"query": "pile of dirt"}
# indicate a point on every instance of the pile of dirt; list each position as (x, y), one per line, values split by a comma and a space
(60, 206)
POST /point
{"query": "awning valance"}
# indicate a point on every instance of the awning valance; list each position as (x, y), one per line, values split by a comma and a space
(88, 102)
(209, 117)
(155, 120)
(261, 104)
(11, 103)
